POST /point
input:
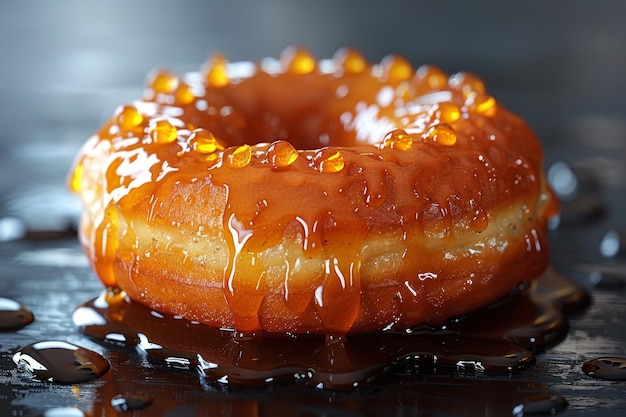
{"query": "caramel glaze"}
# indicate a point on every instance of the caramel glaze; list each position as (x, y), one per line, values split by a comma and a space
(300, 196)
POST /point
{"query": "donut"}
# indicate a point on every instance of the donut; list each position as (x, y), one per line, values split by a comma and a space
(299, 196)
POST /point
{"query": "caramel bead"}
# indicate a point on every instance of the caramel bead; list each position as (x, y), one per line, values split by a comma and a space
(297, 61)
(398, 139)
(162, 131)
(183, 94)
(129, 119)
(162, 82)
(448, 112)
(396, 68)
(203, 141)
(216, 71)
(467, 83)
(281, 154)
(442, 134)
(483, 104)
(77, 178)
(329, 160)
(432, 76)
(350, 61)
(238, 156)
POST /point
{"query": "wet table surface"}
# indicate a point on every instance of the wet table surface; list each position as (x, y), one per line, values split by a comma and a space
(43, 268)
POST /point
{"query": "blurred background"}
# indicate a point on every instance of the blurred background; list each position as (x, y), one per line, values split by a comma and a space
(66, 65)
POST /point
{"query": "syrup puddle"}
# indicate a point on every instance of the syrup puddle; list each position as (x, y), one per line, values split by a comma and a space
(607, 368)
(13, 315)
(500, 339)
(62, 362)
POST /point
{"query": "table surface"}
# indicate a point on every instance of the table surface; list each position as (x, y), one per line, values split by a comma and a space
(569, 86)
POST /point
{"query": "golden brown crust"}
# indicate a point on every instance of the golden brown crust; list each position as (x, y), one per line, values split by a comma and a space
(421, 199)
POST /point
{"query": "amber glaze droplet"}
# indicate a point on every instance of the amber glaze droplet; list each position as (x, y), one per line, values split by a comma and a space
(58, 361)
(329, 160)
(468, 83)
(13, 315)
(204, 142)
(162, 131)
(432, 76)
(216, 71)
(351, 61)
(183, 94)
(129, 119)
(448, 112)
(281, 154)
(480, 220)
(396, 68)
(443, 134)
(77, 178)
(398, 139)
(162, 82)
(483, 104)
(297, 61)
(238, 156)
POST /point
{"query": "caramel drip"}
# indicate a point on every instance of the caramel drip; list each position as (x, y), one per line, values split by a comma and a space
(326, 152)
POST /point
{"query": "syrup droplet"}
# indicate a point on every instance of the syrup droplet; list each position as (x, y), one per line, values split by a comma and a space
(608, 368)
(13, 315)
(281, 154)
(329, 160)
(442, 134)
(467, 83)
(350, 60)
(130, 402)
(63, 362)
(77, 178)
(183, 94)
(483, 104)
(162, 131)
(238, 156)
(216, 71)
(297, 61)
(398, 139)
(480, 220)
(204, 142)
(129, 119)
(396, 68)
(162, 82)
(448, 112)
(432, 76)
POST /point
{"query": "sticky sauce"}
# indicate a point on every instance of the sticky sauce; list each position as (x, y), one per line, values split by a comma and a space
(608, 368)
(500, 339)
(62, 362)
(14, 315)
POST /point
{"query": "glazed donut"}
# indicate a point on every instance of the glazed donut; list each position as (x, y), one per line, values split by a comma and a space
(300, 196)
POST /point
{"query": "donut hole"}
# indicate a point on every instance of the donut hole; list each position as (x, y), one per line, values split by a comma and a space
(309, 111)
